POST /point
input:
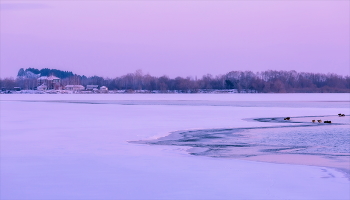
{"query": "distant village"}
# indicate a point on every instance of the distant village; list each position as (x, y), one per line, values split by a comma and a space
(47, 80)
(52, 84)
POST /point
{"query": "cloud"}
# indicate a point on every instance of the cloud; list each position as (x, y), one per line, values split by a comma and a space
(22, 6)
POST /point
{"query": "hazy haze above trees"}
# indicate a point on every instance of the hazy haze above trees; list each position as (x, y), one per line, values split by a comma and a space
(176, 38)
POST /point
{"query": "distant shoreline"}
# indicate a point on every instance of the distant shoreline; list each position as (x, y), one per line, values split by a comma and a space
(269, 81)
(231, 91)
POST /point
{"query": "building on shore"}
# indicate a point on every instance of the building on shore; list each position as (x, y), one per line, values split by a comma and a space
(42, 87)
(91, 87)
(51, 82)
(104, 89)
(74, 87)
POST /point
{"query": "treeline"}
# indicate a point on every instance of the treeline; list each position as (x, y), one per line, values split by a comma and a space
(46, 72)
(242, 81)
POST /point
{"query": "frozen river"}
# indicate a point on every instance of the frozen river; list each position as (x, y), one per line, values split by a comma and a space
(174, 146)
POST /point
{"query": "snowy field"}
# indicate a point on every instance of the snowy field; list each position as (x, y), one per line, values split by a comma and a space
(174, 146)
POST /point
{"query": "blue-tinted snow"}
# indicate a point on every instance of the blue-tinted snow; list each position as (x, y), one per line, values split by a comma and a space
(77, 147)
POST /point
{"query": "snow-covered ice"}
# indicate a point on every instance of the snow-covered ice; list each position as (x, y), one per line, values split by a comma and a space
(70, 146)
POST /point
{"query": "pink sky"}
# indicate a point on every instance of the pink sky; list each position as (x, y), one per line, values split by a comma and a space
(176, 38)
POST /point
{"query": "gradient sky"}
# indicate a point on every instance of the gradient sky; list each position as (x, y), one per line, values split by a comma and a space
(176, 38)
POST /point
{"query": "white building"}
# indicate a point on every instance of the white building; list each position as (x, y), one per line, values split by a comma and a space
(104, 89)
(52, 82)
(91, 87)
(42, 87)
(74, 87)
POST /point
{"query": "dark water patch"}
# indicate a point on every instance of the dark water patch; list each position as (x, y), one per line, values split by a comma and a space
(284, 148)
(330, 141)
(301, 120)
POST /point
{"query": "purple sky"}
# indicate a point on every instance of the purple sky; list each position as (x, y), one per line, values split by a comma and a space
(176, 38)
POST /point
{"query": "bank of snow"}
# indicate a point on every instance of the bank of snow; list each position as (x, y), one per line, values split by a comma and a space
(59, 150)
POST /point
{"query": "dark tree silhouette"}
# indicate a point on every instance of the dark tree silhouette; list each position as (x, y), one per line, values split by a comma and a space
(241, 81)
